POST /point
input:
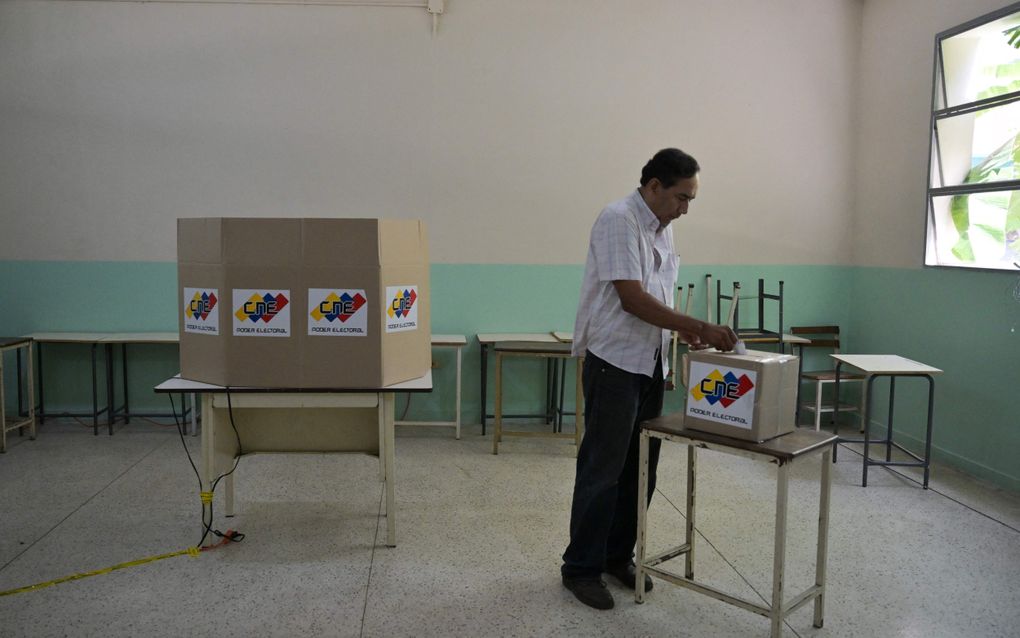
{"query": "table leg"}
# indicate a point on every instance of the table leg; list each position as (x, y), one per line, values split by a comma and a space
(42, 410)
(109, 386)
(642, 514)
(692, 478)
(17, 355)
(927, 435)
(387, 402)
(889, 428)
(551, 370)
(484, 349)
(208, 456)
(3, 411)
(95, 397)
(823, 538)
(124, 372)
(498, 430)
(457, 407)
(779, 554)
(31, 394)
(867, 428)
(194, 417)
(563, 383)
(835, 411)
(800, 371)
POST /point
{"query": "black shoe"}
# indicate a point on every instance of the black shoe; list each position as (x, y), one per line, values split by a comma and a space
(590, 591)
(624, 573)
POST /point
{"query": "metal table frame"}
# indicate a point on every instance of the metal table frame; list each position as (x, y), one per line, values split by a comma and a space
(261, 431)
(784, 451)
(891, 366)
(28, 418)
(107, 340)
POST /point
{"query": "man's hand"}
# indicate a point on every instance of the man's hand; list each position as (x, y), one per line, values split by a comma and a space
(722, 337)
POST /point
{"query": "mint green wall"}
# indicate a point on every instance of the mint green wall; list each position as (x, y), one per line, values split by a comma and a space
(963, 322)
(966, 323)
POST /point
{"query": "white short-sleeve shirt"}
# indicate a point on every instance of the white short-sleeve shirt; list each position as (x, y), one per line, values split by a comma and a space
(626, 244)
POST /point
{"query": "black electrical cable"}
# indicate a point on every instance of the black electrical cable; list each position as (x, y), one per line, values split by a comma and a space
(236, 537)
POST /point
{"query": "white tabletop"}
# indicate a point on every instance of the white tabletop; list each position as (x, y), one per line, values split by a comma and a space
(69, 337)
(104, 337)
(564, 337)
(142, 337)
(177, 384)
(536, 337)
(449, 340)
(885, 364)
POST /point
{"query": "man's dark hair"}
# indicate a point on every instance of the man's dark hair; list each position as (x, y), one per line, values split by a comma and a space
(669, 165)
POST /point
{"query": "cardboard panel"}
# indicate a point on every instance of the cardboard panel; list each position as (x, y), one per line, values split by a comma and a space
(353, 243)
(303, 303)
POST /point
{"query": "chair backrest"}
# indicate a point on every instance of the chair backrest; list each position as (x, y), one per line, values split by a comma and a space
(820, 336)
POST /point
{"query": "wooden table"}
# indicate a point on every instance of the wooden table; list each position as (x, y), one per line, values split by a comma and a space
(17, 344)
(540, 350)
(887, 365)
(343, 420)
(487, 341)
(783, 451)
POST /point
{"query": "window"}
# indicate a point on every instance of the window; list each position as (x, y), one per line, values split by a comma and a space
(973, 211)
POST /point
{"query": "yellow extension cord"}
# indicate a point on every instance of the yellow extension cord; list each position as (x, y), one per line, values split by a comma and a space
(191, 551)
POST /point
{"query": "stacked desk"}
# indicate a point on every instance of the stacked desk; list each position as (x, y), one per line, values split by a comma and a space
(295, 420)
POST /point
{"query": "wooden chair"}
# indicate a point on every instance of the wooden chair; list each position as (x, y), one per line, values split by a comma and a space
(827, 338)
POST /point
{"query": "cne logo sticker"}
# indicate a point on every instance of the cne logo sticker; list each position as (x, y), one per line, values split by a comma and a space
(337, 312)
(261, 313)
(200, 314)
(723, 395)
(725, 390)
(401, 308)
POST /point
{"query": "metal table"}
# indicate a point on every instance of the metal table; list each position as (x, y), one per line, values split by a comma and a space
(107, 340)
(784, 451)
(892, 366)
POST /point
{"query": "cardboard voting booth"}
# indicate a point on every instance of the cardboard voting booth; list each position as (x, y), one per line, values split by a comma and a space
(752, 396)
(303, 303)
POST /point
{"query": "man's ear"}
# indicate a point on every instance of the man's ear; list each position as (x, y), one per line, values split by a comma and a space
(654, 185)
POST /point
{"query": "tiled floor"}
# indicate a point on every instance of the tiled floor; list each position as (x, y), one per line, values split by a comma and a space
(479, 539)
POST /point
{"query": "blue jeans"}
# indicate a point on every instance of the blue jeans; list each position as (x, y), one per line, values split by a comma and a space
(603, 517)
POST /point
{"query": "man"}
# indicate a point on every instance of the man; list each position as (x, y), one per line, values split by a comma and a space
(624, 319)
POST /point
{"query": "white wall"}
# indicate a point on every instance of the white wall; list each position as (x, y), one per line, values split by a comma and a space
(895, 105)
(506, 133)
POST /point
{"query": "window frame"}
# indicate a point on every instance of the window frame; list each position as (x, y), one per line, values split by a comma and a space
(931, 228)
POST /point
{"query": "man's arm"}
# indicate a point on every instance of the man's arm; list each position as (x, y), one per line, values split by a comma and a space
(649, 309)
